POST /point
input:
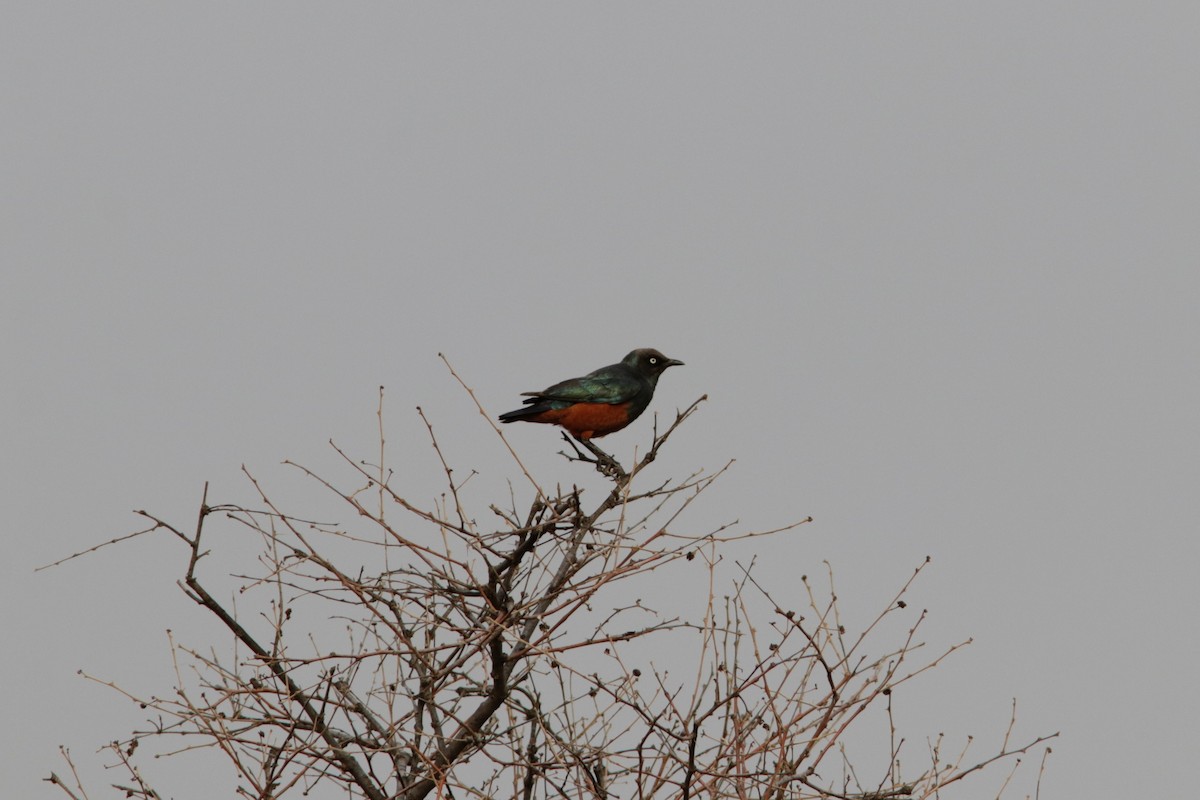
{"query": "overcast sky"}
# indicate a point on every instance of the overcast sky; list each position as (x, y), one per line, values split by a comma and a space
(937, 266)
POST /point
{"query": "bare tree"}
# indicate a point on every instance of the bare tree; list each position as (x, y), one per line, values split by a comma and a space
(499, 660)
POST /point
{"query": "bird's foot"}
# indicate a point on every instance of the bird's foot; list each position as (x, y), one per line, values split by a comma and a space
(605, 464)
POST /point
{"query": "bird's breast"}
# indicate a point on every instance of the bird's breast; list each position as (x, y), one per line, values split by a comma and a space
(590, 420)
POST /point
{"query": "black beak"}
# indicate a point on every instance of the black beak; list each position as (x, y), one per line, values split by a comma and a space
(672, 362)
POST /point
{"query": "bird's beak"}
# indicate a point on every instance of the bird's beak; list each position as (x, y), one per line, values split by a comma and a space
(672, 362)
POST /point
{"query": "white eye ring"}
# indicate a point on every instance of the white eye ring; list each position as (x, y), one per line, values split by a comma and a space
(653, 360)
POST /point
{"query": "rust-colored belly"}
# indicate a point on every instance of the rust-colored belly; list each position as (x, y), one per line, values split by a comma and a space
(588, 420)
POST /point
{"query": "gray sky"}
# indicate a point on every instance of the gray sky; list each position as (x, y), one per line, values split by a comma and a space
(935, 264)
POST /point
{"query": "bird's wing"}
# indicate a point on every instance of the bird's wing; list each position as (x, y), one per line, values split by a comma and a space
(594, 388)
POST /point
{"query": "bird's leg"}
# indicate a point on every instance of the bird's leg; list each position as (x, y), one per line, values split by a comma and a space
(605, 464)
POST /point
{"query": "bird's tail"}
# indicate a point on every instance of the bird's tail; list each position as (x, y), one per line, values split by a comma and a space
(530, 413)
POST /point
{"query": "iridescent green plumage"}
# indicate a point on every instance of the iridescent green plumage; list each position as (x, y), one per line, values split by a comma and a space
(577, 404)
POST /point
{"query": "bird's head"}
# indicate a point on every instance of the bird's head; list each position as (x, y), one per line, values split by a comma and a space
(649, 362)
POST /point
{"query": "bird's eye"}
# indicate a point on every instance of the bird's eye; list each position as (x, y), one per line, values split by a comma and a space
(653, 360)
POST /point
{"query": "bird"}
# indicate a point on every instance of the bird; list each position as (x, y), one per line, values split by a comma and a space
(603, 401)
